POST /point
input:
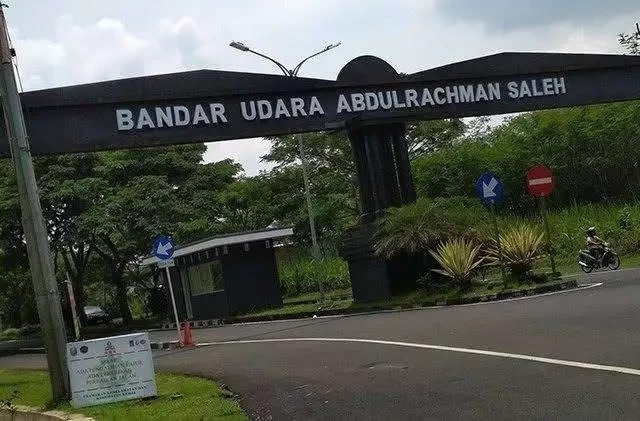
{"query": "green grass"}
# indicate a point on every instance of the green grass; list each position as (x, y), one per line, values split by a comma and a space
(301, 308)
(568, 267)
(33, 387)
(201, 399)
(303, 275)
(419, 297)
(313, 297)
(413, 299)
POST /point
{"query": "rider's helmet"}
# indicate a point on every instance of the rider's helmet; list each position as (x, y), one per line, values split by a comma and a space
(591, 231)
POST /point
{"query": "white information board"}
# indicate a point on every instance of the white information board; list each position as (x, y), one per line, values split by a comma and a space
(111, 369)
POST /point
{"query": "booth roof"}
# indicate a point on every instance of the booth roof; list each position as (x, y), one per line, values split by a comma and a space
(224, 240)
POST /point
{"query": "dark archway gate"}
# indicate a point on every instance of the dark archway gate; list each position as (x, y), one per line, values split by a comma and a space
(369, 99)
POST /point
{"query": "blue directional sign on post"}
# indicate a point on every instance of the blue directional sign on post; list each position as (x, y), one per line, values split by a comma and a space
(163, 247)
(490, 189)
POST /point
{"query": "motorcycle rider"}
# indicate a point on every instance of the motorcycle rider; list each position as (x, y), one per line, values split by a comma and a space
(595, 244)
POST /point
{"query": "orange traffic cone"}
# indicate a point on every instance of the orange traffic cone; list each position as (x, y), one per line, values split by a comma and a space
(187, 337)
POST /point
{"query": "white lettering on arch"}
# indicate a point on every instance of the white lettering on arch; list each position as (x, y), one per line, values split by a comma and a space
(199, 116)
(164, 117)
(315, 106)
(144, 119)
(124, 119)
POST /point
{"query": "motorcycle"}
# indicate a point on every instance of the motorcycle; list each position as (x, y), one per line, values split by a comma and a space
(608, 259)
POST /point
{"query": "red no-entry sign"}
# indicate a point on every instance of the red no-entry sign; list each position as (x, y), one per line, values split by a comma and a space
(540, 181)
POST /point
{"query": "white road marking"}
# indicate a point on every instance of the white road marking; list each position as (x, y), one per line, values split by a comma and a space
(545, 360)
(538, 181)
(527, 297)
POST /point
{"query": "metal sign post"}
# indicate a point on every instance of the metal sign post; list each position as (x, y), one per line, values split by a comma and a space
(540, 184)
(173, 298)
(496, 232)
(163, 250)
(547, 230)
(490, 190)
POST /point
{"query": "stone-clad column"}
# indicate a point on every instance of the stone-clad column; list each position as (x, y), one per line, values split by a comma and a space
(384, 180)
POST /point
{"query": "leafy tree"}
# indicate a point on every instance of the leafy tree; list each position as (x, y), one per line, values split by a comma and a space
(590, 149)
(427, 137)
(17, 303)
(69, 187)
(202, 205)
(142, 198)
(246, 204)
(332, 177)
(631, 42)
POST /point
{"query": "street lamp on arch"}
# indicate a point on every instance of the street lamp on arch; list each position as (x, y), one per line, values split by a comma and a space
(291, 73)
(307, 186)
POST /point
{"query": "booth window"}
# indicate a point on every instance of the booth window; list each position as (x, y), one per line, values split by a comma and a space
(206, 278)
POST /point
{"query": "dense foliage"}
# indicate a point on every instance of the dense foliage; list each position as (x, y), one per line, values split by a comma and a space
(591, 150)
(418, 227)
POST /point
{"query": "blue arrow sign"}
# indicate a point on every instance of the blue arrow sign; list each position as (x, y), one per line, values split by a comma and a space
(163, 247)
(490, 189)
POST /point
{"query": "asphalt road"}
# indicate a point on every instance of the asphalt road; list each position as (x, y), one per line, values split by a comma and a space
(571, 355)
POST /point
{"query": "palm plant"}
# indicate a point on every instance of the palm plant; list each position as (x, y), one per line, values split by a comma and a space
(521, 246)
(404, 230)
(415, 228)
(459, 259)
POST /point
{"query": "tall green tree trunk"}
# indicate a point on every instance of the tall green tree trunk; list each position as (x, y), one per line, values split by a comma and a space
(76, 258)
(117, 276)
(117, 264)
(81, 299)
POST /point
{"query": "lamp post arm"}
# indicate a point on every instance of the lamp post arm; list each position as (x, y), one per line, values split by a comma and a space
(296, 69)
(284, 69)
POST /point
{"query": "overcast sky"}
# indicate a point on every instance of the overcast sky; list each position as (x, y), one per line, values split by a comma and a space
(77, 41)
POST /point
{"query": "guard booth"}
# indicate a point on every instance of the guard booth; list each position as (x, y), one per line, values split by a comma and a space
(228, 274)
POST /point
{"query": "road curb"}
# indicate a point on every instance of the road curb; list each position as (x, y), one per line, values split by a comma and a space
(535, 290)
(156, 346)
(194, 324)
(26, 413)
(16, 346)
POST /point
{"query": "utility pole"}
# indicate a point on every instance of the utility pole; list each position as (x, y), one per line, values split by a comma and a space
(315, 250)
(42, 275)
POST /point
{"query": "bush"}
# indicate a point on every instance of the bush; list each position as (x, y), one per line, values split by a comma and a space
(617, 224)
(10, 334)
(521, 246)
(28, 331)
(416, 228)
(459, 259)
(303, 275)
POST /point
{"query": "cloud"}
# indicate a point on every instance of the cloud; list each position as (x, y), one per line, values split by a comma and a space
(245, 151)
(512, 15)
(106, 49)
